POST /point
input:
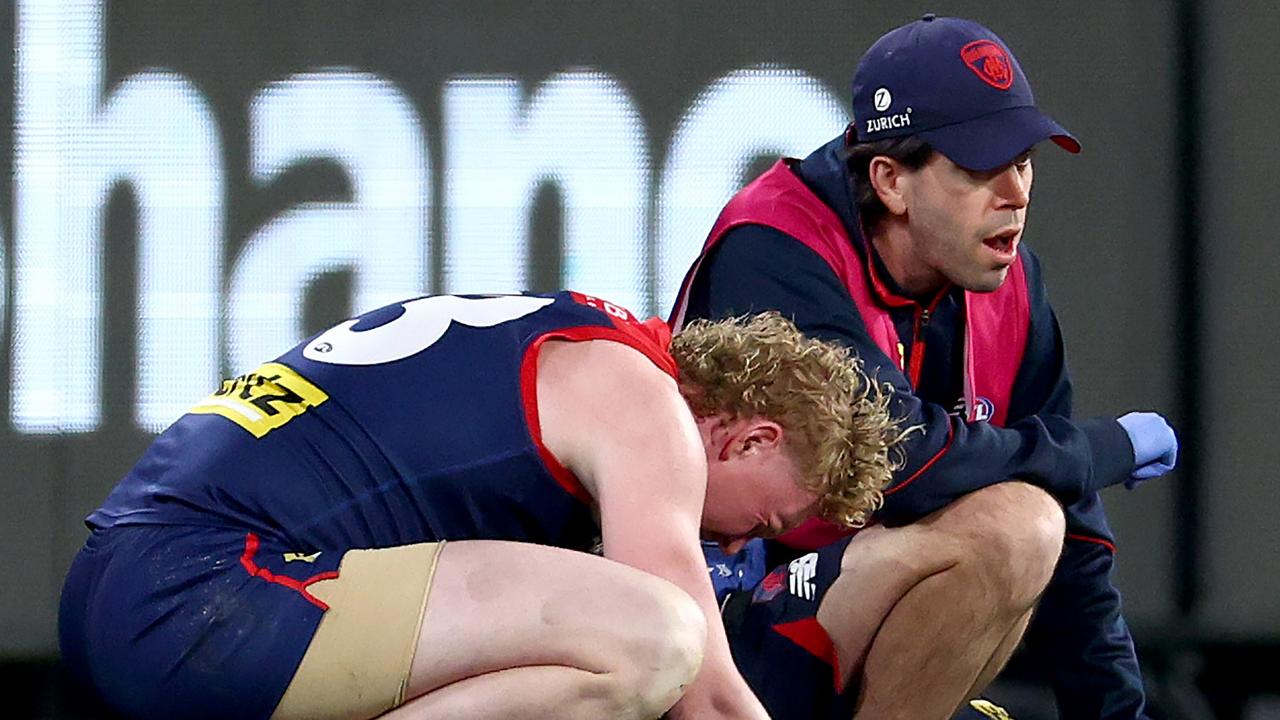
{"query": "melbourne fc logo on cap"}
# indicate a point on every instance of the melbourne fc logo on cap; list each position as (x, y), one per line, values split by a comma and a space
(990, 62)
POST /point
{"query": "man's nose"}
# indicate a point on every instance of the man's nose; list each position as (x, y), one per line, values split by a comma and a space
(1014, 187)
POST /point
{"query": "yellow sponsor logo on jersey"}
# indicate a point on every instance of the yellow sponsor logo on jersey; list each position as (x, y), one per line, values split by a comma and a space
(990, 709)
(264, 399)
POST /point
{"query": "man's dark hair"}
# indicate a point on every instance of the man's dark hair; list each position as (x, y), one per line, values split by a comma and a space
(911, 151)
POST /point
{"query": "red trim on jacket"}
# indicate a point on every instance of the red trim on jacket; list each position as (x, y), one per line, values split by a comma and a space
(951, 435)
(1095, 540)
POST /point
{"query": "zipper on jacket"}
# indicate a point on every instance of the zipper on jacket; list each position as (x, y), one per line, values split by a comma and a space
(923, 316)
(917, 347)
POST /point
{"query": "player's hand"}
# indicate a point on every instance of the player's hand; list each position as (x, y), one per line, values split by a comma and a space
(1155, 446)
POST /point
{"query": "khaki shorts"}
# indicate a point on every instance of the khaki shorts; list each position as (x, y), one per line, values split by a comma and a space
(357, 665)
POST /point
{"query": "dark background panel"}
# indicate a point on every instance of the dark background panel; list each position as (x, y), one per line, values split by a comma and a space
(1241, 268)
(1104, 234)
(1110, 226)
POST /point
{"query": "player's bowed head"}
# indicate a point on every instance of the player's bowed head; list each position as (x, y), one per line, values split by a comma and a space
(791, 424)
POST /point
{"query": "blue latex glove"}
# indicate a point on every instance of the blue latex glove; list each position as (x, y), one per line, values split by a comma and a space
(731, 573)
(1155, 446)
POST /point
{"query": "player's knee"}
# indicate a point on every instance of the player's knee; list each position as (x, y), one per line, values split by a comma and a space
(1018, 532)
(663, 657)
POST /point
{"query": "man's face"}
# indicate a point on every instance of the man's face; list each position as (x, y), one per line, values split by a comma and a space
(965, 225)
(753, 490)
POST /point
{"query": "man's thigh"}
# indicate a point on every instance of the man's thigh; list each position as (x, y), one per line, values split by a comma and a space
(786, 656)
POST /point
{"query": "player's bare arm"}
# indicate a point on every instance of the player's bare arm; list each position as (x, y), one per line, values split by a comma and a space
(621, 425)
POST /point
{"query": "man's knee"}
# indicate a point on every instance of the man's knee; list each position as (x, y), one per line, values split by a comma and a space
(1017, 532)
(661, 657)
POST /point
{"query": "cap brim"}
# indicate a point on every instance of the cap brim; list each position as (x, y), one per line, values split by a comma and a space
(995, 140)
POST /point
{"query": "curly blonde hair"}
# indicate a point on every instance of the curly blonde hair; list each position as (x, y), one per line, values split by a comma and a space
(839, 430)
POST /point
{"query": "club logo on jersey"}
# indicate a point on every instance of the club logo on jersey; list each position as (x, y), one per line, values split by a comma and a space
(990, 62)
(803, 569)
(990, 709)
(264, 399)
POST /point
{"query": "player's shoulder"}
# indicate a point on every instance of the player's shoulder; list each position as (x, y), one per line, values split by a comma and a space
(609, 384)
(602, 364)
(604, 406)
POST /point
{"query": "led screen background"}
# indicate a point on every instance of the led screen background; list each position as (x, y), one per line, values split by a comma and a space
(192, 187)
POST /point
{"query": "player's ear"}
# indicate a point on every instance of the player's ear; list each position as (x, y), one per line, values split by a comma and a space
(889, 178)
(717, 435)
(760, 434)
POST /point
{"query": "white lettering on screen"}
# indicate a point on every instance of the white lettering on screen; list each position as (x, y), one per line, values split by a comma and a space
(366, 126)
(155, 132)
(579, 130)
(766, 110)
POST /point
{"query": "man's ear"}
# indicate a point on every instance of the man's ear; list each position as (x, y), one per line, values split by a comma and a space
(716, 435)
(759, 434)
(890, 179)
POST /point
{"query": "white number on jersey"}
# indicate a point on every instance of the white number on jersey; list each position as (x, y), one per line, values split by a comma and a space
(423, 322)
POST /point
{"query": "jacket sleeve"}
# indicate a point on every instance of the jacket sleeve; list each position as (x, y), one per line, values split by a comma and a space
(756, 268)
(1077, 637)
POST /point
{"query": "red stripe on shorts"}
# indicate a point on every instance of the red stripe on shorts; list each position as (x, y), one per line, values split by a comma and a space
(811, 636)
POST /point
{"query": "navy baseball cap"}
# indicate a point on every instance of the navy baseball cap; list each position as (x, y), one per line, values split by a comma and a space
(957, 86)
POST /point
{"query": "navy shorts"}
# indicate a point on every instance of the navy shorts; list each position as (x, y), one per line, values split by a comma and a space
(191, 622)
(778, 646)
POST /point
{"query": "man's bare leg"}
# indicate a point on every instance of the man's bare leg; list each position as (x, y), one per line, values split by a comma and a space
(530, 691)
(921, 611)
(523, 631)
(1001, 656)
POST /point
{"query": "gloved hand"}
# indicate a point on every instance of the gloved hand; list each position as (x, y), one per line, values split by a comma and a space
(1155, 446)
(731, 573)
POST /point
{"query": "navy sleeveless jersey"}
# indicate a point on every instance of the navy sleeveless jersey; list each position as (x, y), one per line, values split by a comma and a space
(412, 423)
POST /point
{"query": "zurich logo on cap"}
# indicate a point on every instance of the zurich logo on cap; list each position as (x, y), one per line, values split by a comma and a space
(883, 99)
